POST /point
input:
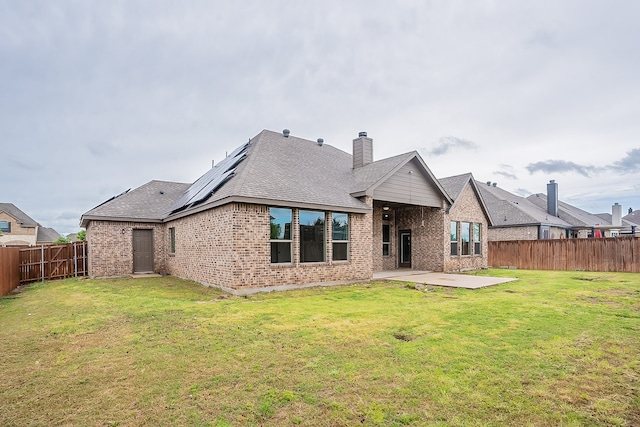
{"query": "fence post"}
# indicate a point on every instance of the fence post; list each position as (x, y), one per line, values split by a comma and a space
(42, 263)
(75, 261)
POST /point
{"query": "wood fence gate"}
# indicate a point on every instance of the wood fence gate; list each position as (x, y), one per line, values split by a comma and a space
(53, 262)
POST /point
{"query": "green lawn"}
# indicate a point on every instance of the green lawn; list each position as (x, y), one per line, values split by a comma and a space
(553, 348)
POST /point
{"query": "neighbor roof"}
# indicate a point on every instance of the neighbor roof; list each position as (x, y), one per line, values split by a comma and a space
(569, 213)
(23, 219)
(46, 235)
(507, 209)
(633, 217)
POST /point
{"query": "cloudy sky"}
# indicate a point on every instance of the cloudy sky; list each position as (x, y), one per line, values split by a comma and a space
(98, 97)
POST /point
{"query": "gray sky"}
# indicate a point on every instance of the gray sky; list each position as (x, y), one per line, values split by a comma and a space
(98, 97)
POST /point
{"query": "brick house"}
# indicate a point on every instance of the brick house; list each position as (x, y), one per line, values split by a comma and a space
(19, 229)
(282, 212)
(543, 216)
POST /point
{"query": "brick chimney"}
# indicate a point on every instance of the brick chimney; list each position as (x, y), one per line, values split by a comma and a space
(616, 215)
(362, 150)
(552, 198)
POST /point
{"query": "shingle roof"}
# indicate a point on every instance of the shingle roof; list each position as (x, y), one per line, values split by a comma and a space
(46, 235)
(455, 184)
(150, 201)
(24, 219)
(277, 170)
(569, 213)
(292, 170)
(507, 209)
(633, 217)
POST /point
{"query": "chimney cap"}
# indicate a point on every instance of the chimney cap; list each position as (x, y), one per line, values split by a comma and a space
(286, 132)
(362, 134)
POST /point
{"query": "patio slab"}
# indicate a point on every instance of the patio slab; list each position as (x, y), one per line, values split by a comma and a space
(442, 279)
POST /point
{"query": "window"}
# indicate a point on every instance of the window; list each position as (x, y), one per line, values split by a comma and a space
(386, 240)
(477, 243)
(312, 236)
(465, 234)
(340, 236)
(5, 226)
(172, 240)
(454, 238)
(280, 222)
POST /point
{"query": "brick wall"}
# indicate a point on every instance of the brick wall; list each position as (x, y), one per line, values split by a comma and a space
(110, 246)
(229, 247)
(204, 247)
(427, 234)
(466, 208)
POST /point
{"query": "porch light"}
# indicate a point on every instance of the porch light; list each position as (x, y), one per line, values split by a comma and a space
(385, 208)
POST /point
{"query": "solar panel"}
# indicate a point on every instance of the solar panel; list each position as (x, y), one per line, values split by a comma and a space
(211, 181)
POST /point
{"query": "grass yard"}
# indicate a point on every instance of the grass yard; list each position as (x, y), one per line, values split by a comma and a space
(554, 348)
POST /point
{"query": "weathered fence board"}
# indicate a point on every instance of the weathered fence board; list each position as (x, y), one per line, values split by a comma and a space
(611, 254)
(53, 262)
(9, 269)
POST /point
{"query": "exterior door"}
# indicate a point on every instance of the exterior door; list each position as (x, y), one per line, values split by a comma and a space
(143, 251)
(405, 249)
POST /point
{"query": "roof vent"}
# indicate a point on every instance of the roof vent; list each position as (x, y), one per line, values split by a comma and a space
(286, 133)
(362, 134)
(494, 184)
(320, 142)
(488, 183)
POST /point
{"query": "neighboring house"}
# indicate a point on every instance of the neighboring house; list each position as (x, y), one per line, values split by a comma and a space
(47, 235)
(19, 229)
(16, 227)
(633, 218)
(281, 212)
(620, 226)
(542, 216)
(518, 218)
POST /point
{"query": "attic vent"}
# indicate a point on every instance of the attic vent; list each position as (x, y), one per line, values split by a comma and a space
(320, 142)
(362, 134)
(286, 133)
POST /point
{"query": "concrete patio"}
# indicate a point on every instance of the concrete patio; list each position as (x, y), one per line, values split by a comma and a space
(440, 279)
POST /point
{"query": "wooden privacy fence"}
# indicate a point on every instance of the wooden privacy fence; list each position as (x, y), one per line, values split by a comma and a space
(9, 269)
(620, 254)
(53, 262)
